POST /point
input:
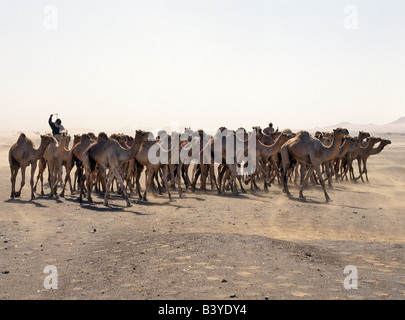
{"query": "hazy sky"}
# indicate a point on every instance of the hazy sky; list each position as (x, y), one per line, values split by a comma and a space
(109, 64)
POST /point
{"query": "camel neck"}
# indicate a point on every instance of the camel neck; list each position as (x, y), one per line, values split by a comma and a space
(333, 149)
(41, 149)
(378, 149)
(130, 153)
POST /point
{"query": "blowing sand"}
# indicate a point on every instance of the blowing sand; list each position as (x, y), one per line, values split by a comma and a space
(207, 246)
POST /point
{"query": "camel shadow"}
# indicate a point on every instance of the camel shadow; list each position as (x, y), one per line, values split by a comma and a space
(57, 199)
(149, 203)
(99, 207)
(238, 195)
(32, 202)
(189, 195)
(309, 201)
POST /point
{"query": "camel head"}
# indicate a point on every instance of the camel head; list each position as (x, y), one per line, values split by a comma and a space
(77, 138)
(142, 136)
(340, 132)
(318, 135)
(373, 140)
(284, 137)
(92, 136)
(65, 136)
(363, 135)
(47, 139)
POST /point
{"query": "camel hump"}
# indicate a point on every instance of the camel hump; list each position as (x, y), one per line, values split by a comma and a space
(303, 135)
(102, 136)
(21, 138)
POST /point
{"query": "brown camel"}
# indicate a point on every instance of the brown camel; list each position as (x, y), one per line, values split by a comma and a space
(362, 152)
(347, 159)
(265, 155)
(373, 151)
(311, 152)
(21, 155)
(53, 158)
(75, 158)
(199, 142)
(348, 145)
(108, 153)
(217, 149)
(160, 150)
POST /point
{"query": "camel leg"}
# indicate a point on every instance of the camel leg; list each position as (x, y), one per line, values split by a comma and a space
(187, 171)
(204, 175)
(40, 177)
(18, 193)
(59, 178)
(213, 178)
(233, 173)
(305, 181)
(89, 183)
(318, 172)
(81, 185)
(361, 174)
(14, 171)
(337, 164)
(148, 182)
(67, 178)
(240, 183)
(138, 185)
(285, 159)
(179, 170)
(51, 180)
(222, 178)
(165, 171)
(33, 168)
(195, 174)
(365, 169)
(184, 174)
(329, 173)
(107, 191)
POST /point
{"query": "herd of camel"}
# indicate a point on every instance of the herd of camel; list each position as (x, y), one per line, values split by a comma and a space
(102, 161)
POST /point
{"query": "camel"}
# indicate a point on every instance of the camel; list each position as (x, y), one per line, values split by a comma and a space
(347, 159)
(348, 145)
(200, 141)
(21, 155)
(75, 158)
(160, 149)
(311, 152)
(265, 154)
(216, 148)
(53, 158)
(373, 151)
(108, 153)
(362, 152)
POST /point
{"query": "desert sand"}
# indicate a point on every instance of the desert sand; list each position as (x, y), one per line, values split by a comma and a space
(206, 246)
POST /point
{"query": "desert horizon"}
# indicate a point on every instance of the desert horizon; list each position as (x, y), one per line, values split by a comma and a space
(395, 126)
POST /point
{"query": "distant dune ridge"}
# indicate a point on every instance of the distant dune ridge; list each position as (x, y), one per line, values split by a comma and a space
(397, 126)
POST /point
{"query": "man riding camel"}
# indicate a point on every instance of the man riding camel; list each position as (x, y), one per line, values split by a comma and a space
(56, 126)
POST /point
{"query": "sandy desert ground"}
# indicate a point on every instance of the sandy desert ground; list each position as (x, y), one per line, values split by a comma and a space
(205, 246)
